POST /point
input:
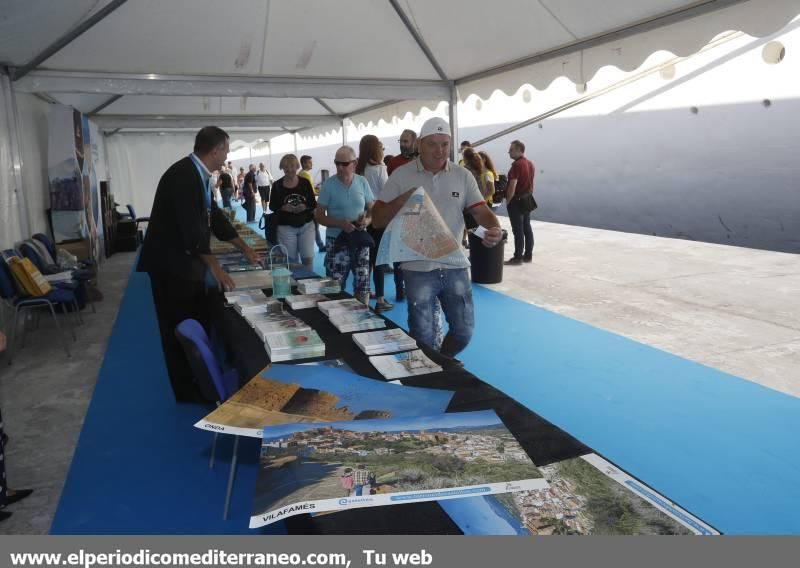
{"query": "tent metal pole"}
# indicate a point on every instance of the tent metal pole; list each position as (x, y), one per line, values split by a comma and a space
(453, 115)
(327, 107)
(294, 138)
(67, 38)
(418, 38)
(106, 104)
(17, 165)
(344, 132)
(269, 154)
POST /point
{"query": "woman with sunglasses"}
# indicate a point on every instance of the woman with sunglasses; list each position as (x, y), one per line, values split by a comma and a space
(344, 206)
(370, 165)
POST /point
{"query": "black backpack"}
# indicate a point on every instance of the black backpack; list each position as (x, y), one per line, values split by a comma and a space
(500, 185)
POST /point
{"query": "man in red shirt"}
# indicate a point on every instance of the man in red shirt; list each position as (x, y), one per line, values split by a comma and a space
(520, 183)
(408, 142)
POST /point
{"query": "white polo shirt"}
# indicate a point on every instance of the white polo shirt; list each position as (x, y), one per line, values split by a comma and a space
(453, 190)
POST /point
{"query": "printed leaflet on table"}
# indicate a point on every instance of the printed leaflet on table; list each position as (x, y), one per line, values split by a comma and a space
(303, 301)
(319, 286)
(385, 341)
(346, 322)
(294, 345)
(399, 365)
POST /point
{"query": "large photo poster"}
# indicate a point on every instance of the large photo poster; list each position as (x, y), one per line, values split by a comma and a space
(281, 394)
(313, 468)
(65, 170)
(587, 495)
(74, 194)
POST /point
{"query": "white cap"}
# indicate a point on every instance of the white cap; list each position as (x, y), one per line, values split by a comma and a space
(434, 125)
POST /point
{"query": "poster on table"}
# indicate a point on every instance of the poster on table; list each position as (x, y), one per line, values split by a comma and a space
(587, 495)
(334, 466)
(283, 394)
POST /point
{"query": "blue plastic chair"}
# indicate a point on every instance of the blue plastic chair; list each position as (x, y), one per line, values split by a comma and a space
(80, 275)
(51, 248)
(77, 284)
(213, 381)
(19, 302)
(137, 220)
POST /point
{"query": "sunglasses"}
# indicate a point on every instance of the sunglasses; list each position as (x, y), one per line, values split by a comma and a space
(343, 164)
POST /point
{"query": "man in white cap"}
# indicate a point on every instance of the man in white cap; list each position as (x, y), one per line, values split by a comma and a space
(453, 191)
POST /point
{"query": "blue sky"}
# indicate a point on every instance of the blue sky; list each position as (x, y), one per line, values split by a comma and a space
(359, 393)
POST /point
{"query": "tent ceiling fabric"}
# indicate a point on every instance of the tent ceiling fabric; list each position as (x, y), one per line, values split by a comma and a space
(263, 59)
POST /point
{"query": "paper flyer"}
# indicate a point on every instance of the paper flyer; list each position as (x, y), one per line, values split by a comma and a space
(418, 232)
(312, 468)
(316, 393)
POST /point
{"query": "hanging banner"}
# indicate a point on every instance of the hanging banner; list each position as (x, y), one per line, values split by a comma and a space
(65, 170)
(74, 195)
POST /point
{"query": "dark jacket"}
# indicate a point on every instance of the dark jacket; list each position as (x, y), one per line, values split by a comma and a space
(179, 229)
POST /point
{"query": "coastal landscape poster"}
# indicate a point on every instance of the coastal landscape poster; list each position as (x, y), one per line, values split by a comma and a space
(587, 495)
(317, 393)
(313, 468)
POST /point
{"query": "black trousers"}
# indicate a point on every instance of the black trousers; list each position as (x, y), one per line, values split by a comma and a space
(176, 300)
(227, 194)
(250, 207)
(521, 228)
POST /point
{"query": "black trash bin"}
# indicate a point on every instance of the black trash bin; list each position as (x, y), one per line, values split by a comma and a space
(487, 262)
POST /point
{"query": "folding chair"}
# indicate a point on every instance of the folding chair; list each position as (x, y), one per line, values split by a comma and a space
(214, 383)
(19, 302)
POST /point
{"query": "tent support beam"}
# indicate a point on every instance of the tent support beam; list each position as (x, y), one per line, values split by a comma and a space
(230, 86)
(655, 22)
(67, 38)
(419, 39)
(326, 106)
(109, 121)
(370, 108)
(453, 115)
(106, 104)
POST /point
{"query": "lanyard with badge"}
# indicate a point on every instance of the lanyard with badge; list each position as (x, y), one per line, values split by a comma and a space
(206, 189)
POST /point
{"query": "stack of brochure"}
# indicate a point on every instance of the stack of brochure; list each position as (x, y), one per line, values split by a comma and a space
(385, 341)
(406, 364)
(319, 286)
(253, 302)
(256, 280)
(242, 267)
(347, 321)
(302, 301)
(266, 329)
(294, 345)
(263, 317)
(349, 304)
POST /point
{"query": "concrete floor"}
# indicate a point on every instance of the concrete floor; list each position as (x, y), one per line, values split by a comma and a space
(730, 308)
(44, 396)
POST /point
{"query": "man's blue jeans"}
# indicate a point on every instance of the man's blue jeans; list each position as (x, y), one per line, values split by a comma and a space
(453, 288)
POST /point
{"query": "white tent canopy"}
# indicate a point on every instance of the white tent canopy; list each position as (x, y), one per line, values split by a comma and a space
(293, 66)
(154, 71)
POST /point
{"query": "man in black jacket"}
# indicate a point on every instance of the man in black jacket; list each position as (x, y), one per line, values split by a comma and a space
(185, 277)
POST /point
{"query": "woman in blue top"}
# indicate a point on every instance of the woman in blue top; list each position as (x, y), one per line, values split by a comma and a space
(344, 205)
